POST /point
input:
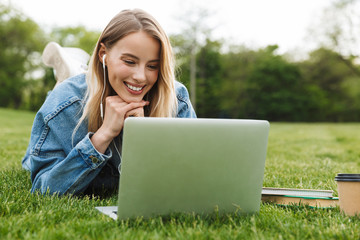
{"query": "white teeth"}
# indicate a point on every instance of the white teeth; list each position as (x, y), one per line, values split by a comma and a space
(133, 88)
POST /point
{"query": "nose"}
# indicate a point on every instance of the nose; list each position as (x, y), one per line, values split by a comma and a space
(139, 74)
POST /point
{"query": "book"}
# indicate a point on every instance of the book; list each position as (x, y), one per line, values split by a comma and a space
(290, 196)
(296, 200)
(297, 192)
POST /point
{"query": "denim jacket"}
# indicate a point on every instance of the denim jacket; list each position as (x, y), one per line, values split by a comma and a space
(63, 161)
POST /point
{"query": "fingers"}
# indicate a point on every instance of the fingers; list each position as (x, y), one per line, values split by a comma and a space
(137, 112)
(135, 108)
(116, 111)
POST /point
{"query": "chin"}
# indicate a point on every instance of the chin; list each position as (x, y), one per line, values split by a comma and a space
(130, 99)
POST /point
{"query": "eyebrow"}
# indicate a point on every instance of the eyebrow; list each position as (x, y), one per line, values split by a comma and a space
(137, 58)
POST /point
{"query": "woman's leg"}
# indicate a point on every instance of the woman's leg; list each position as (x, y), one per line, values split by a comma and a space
(66, 62)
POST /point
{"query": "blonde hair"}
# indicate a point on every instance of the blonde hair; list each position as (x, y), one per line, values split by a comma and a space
(162, 95)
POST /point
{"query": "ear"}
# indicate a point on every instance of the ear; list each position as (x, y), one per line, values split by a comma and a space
(101, 52)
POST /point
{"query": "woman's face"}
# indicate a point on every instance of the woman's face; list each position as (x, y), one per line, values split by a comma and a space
(133, 65)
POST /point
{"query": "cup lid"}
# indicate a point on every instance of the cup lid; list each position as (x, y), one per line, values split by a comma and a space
(347, 177)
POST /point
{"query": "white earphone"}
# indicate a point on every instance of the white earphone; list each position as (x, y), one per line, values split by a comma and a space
(103, 62)
(102, 95)
(102, 111)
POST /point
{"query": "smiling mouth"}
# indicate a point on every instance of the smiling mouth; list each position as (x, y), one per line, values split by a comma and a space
(133, 88)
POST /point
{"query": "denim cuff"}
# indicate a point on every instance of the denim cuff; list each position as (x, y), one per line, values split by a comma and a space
(90, 155)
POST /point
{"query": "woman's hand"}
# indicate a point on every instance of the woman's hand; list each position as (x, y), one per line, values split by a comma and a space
(116, 111)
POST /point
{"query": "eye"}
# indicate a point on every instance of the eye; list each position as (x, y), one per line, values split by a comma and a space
(153, 66)
(129, 62)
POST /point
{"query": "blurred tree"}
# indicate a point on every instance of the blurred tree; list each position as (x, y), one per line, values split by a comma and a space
(274, 89)
(78, 37)
(327, 69)
(24, 80)
(181, 51)
(188, 43)
(339, 29)
(37, 89)
(21, 39)
(209, 80)
(236, 67)
(262, 84)
(332, 67)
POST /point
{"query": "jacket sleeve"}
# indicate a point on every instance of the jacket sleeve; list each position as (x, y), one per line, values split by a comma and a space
(185, 108)
(59, 161)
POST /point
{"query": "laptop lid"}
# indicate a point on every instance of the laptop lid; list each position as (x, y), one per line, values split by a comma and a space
(191, 165)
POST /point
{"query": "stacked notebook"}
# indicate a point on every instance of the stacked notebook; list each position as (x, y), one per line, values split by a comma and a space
(291, 196)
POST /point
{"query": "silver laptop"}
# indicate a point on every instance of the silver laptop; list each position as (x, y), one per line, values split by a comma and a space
(202, 166)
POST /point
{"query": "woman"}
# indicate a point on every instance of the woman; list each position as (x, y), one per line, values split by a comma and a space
(77, 133)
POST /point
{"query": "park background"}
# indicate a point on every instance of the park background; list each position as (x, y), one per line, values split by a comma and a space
(318, 81)
(225, 78)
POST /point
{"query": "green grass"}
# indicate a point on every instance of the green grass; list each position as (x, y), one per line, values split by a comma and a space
(299, 156)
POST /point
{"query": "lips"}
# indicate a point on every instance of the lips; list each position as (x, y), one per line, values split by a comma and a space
(134, 89)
